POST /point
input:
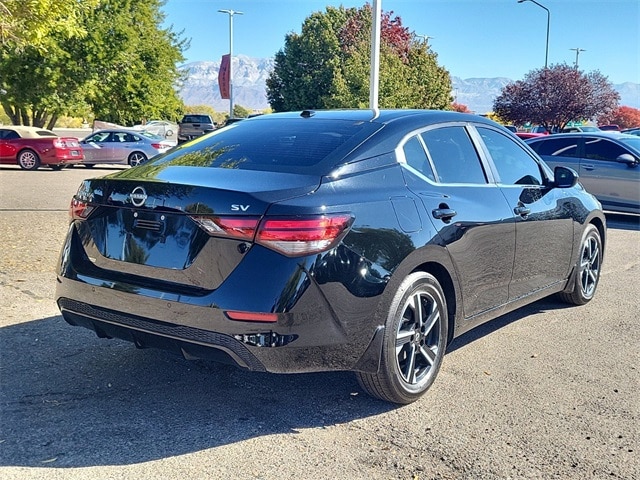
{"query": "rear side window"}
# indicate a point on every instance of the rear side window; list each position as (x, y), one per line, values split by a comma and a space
(556, 147)
(9, 134)
(417, 159)
(454, 156)
(45, 133)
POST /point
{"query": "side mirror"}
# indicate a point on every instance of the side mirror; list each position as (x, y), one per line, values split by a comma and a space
(628, 159)
(564, 177)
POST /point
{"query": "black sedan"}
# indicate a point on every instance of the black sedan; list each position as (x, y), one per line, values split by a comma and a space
(329, 240)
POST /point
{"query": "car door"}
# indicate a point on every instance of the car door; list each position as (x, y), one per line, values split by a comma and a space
(613, 182)
(470, 214)
(98, 148)
(8, 150)
(544, 216)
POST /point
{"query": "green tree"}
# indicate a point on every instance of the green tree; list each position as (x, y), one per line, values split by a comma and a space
(554, 96)
(33, 23)
(124, 69)
(327, 65)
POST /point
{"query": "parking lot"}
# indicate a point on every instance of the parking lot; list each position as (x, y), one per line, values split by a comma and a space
(548, 391)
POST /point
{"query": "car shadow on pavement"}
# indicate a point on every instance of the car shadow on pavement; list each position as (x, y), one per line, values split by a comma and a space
(70, 399)
(544, 305)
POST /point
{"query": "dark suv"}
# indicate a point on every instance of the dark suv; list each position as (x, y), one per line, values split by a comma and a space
(194, 125)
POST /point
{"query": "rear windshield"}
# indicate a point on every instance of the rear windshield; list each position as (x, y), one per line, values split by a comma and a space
(288, 145)
(196, 119)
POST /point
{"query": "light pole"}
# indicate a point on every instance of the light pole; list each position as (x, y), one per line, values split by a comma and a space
(577, 50)
(546, 57)
(231, 13)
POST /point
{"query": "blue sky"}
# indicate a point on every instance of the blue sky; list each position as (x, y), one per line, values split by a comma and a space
(473, 38)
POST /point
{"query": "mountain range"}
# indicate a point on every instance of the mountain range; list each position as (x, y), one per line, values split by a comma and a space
(250, 74)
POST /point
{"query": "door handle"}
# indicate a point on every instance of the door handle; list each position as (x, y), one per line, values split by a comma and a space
(444, 214)
(589, 167)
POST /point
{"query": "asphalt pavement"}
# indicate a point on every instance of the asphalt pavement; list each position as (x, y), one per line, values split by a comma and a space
(546, 392)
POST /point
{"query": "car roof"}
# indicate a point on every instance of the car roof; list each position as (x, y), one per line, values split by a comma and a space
(29, 132)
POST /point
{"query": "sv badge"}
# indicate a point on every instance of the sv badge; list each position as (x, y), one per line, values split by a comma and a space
(239, 208)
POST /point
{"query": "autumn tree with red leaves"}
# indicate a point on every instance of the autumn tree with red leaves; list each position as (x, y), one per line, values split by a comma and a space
(554, 96)
(327, 65)
(624, 117)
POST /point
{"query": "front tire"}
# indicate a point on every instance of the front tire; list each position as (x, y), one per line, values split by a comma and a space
(28, 160)
(136, 158)
(589, 266)
(414, 342)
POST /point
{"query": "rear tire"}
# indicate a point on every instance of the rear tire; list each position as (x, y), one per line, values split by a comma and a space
(414, 343)
(89, 165)
(28, 160)
(589, 266)
(136, 158)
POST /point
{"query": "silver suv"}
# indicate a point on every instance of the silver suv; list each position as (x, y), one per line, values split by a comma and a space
(194, 125)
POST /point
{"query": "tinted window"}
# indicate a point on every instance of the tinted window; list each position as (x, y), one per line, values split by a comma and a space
(196, 119)
(453, 156)
(45, 133)
(417, 158)
(287, 145)
(602, 149)
(560, 147)
(8, 134)
(513, 163)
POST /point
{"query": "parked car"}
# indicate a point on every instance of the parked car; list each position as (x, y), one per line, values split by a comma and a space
(631, 131)
(581, 128)
(539, 129)
(32, 147)
(124, 147)
(162, 128)
(608, 164)
(526, 135)
(329, 240)
(194, 125)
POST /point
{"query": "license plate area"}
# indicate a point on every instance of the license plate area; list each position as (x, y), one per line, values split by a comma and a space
(165, 240)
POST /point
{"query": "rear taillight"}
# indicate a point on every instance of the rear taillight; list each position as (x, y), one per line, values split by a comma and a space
(241, 228)
(79, 210)
(157, 146)
(303, 236)
(291, 236)
(65, 143)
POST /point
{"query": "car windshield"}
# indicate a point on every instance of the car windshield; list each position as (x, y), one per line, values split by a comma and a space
(288, 145)
(632, 142)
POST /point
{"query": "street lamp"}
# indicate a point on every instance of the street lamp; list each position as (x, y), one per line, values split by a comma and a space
(231, 13)
(546, 57)
(577, 50)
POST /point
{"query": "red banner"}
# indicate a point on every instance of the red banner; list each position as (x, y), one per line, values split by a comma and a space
(223, 77)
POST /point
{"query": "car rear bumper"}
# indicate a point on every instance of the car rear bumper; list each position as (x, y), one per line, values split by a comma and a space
(312, 333)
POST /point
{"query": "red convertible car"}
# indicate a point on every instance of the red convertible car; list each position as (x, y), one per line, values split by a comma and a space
(32, 147)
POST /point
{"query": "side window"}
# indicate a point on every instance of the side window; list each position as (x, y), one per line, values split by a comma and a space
(417, 158)
(9, 135)
(602, 149)
(454, 157)
(556, 147)
(513, 164)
